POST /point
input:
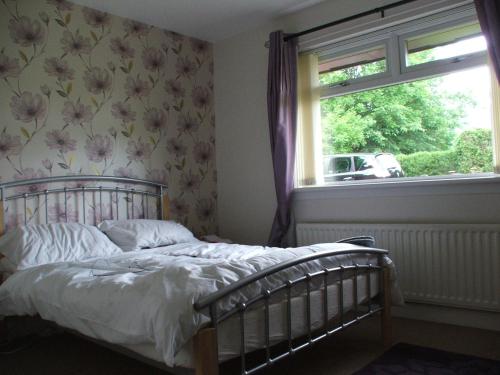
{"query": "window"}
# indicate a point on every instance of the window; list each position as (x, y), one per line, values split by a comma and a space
(410, 101)
(448, 43)
(340, 70)
(342, 165)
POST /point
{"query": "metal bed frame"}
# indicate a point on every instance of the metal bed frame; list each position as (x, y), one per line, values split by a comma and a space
(159, 193)
(381, 304)
(205, 342)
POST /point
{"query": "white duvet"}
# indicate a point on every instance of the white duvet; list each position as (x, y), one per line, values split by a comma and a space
(147, 296)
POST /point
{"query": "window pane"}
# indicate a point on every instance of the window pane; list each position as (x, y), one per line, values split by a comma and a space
(342, 165)
(364, 162)
(444, 44)
(437, 126)
(352, 66)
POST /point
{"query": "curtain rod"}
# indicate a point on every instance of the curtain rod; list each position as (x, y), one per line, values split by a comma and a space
(380, 10)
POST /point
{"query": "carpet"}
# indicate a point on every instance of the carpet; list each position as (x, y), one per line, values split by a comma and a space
(410, 359)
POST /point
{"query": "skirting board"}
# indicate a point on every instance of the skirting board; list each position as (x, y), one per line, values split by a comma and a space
(449, 315)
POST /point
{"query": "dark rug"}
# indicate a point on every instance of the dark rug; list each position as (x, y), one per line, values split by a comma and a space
(410, 359)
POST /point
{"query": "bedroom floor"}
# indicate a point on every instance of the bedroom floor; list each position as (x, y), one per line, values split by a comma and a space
(344, 354)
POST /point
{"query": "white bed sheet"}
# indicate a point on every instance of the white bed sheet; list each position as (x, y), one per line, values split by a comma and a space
(145, 298)
(229, 331)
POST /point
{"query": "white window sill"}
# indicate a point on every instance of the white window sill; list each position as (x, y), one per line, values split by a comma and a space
(408, 186)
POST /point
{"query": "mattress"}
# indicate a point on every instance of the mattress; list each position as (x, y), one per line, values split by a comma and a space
(229, 331)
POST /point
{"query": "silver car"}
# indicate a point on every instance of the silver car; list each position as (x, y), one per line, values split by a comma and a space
(349, 167)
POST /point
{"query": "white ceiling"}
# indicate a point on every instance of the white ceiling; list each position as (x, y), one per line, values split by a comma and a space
(211, 20)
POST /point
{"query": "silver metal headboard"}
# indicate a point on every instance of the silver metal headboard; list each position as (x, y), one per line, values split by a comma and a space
(85, 191)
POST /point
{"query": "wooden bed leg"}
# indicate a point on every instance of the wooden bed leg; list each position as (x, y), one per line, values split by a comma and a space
(205, 352)
(386, 312)
(165, 201)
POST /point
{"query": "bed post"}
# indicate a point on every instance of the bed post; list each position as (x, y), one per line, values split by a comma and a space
(165, 202)
(386, 312)
(205, 352)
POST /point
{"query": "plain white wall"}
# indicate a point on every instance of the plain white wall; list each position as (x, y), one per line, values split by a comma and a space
(246, 192)
(245, 184)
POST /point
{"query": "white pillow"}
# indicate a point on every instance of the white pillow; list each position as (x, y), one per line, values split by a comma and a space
(138, 234)
(33, 245)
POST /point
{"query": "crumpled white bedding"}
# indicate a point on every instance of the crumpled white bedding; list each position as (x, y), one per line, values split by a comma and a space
(147, 296)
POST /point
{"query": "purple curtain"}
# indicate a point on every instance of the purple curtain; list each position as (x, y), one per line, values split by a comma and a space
(488, 12)
(282, 114)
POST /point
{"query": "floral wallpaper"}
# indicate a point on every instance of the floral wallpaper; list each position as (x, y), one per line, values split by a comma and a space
(86, 92)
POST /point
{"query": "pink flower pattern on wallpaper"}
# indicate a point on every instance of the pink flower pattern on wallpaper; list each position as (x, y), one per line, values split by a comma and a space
(123, 111)
(28, 174)
(138, 151)
(108, 96)
(97, 80)
(187, 124)
(176, 147)
(125, 172)
(136, 87)
(202, 97)
(60, 141)
(76, 113)
(153, 59)
(203, 152)
(205, 209)
(26, 32)
(95, 215)
(185, 67)
(122, 48)
(59, 213)
(174, 88)
(28, 107)
(200, 47)
(59, 68)
(96, 18)
(9, 145)
(75, 44)
(99, 148)
(155, 120)
(134, 28)
(61, 5)
(13, 221)
(9, 67)
(179, 207)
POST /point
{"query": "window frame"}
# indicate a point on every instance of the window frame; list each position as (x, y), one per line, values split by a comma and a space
(394, 37)
(431, 65)
(360, 48)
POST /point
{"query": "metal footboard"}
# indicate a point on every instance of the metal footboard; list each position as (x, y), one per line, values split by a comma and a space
(319, 280)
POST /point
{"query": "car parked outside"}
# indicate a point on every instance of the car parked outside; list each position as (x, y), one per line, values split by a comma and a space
(362, 166)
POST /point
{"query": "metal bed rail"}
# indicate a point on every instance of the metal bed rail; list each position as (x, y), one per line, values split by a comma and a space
(340, 273)
(38, 188)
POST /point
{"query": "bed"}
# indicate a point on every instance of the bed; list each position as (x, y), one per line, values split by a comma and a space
(189, 306)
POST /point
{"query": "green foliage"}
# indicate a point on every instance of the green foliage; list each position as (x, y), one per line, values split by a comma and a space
(346, 132)
(471, 154)
(404, 119)
(474, 151)
(401, 119)
(353, 72)
(428, 163)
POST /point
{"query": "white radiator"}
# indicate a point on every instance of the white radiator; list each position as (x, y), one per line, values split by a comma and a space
(445, 264)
